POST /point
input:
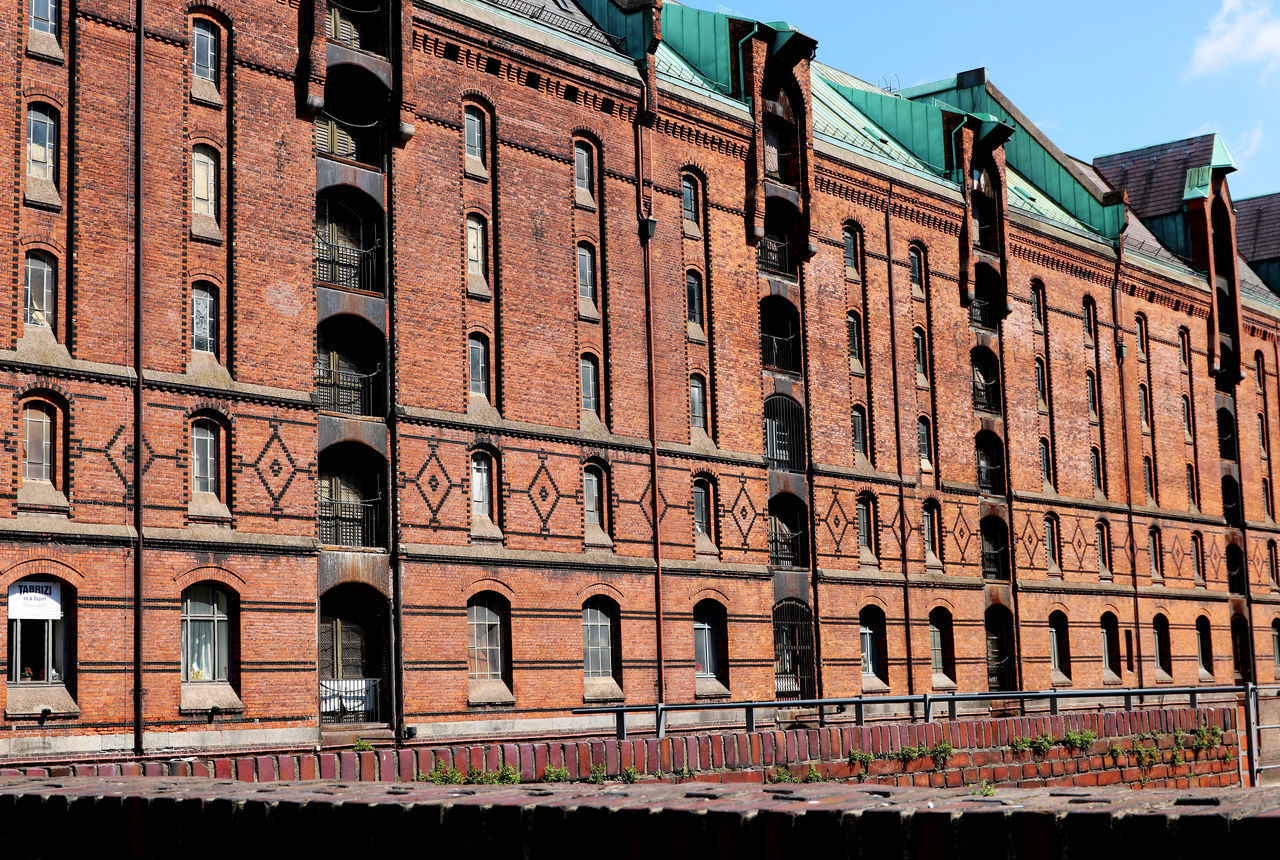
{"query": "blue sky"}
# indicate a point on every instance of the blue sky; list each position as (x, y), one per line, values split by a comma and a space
(1096, 77)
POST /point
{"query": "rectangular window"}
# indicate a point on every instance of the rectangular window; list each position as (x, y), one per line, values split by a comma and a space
(204, 196)
(704, 649)
(701, 509)
(597, 644)
(204, 320)
(39, 291)
(591, 497)
(864, 525)
(474, 134)
(476, 250)
(484, 650)
(693, 297)
(478, 367)
(689, 199)
(859, 433)
(44, 16)
(42, 143)
(697, 404)
(582, 168)
(590, 387)
(38, 437)
(929, 530)
(867, 638)
(586, 274)
(206, 635)
(479, 488)
(204, 459)
(937, 659)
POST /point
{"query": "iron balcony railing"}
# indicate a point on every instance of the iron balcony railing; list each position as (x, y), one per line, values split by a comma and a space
(773, 255)
(344, 266)
(362, 29)
(350, 523)
(986, 395)
(990, 478)
(787, 548)
(994, 565)
(982, 313)
(350, 700)
(779, 352)
(346, 391)
(350, 141)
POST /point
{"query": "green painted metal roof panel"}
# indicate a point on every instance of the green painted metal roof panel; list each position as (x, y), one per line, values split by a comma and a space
(838, 120)
(1221, 155)
(702, 39)
(916, 125)
(631, 29)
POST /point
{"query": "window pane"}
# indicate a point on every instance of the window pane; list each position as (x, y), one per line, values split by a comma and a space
(582, 167)
(590, 391)
(480, 487)
(697, 403)
(704, 647)
(693, 297)
(42, 143)
(484, 648)
(44, 16)
(39, 291)
(204, 48)
(203, 179)
(701, 512)
(478, 367)
(586, 273)
(37, 427)
(689, 199)
(597, 646)
(477, 252)
(474, 134)
(203, 320)
(591, 497)
(204, 452)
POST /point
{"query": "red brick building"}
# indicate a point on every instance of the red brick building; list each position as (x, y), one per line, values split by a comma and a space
(355, 349)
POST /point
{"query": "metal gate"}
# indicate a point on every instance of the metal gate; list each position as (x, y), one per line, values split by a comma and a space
(793, 670)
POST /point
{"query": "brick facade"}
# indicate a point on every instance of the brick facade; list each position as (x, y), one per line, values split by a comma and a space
(346, 291)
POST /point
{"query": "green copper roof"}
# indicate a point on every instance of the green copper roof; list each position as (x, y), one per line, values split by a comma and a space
(1221, 156)
(702, 39)
(1027, 151)
(915, 125)
(632, 30)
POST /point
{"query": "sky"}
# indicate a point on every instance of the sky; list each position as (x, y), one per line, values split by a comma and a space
(1096, 77)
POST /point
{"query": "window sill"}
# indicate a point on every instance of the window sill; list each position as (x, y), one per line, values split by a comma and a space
(922, 381)
(1060, 680)
(478, 287)
(1111, 679)
(703, 545)
(208, 508)
(489, 693)
(42, 497)
(474, 168)
(587, 310)
(855, 367)
(694, 332)
(583, 199)
(596, 538)
(1163, 677)
(873, 684)
(45, 46)
(1206, 677)
(42, 194)
(205, 696)
(942, 682)
(851, 274)
(710, 688)
(205, 92)
(32, 700)
(601, 690)
(205, 229)
(690, 229)
(485, 530)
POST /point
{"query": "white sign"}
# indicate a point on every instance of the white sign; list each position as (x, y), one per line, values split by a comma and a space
(35, 600)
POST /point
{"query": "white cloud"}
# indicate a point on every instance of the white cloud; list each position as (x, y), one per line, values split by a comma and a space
(1242, 32)
(1249, 144)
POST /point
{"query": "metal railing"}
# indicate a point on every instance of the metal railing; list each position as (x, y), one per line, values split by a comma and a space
(787, 549)
(779, 352)
(346, 391)
(350, 700)
(772, 253)
(991, 478)
(1256, 728)
(350, 523)
(993, 563)
(343, 266)
(986, 394)
(927, 701)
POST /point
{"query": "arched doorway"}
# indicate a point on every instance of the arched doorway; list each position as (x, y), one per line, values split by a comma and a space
(353, 656)
(793, 675)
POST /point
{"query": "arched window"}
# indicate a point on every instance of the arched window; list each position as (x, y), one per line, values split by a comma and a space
(931, 531)
(1095, 469)
(1259, 371)
(1237, 573)
(1273, 564)
(40, 433)
(206, 457)
(477, 248)
(924, 437)
(1144, 407)
(875, 662)
(204, 50)
(1197, 558)
(1204, 646)
(1042, 384)
(1231, 508)
(986, 380)
(1163, 655)
(589, 371)
(204, 317)
(703, 510)
(866, 511)
(942, 652)
(1193, 487)
(861, 449)
(1266, 497)
(710, 646)
(41, 633)
(1186, 418)
(475, 137)
(584, 172)
(915, 262)
(1039, 307)
(1241, 649)
(788, 538)
(1263, 443)
(350, 505)
(348, 241)
(1275, 646)
(989, 302)
(1140, 336)
(41, 289)
(1052, 543)
(1089, 316)
(920, 347)
(42, 142)
(1110, 647)
(1059, 646)
(601, 642)
(853, 325)
(698, 403)
(595, 498)
(852, 251)
(779, 334)
(690, 200)
(489, 638)
(1091, 394)
(1226, 435)
(483, 481)
(1184, 348)
(793, 675)
(1155, 553)
(1046, 463)
(1001, 662)
(693, 297)
(784, 447)
(1102, 546)
(587, 273)
(204, 182)
(1149, 478)
(208, 633)
(995, 548)
(478, 365)
(990, 456)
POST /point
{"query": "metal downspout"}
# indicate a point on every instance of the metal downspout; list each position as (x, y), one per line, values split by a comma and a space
(897, 444)
(138, 80)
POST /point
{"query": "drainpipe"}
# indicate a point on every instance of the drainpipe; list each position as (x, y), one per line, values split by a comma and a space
(646, 225)
(742, 79)
(1124, 430)
(138, 81)
(897, 446)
